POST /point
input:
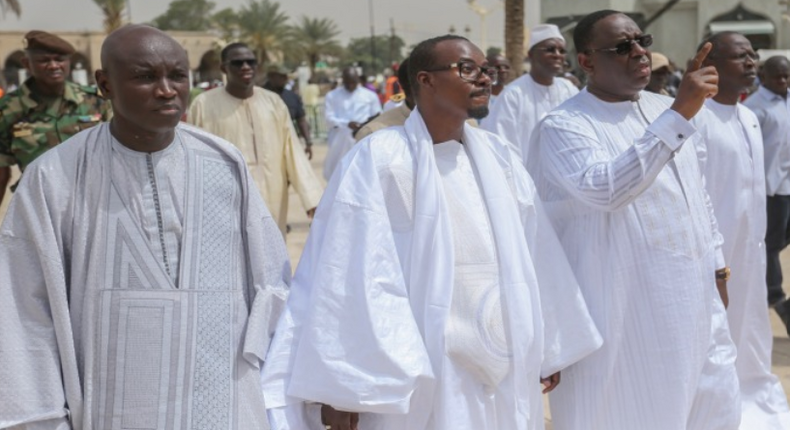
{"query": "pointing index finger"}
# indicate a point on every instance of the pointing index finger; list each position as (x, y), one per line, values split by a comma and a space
(696, 63)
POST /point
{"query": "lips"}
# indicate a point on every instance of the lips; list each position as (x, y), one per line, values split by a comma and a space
(169, 109)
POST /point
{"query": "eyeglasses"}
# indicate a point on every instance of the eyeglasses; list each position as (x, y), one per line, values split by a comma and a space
(625, 47)
(252, 62)
(470, 71)
(553, 50)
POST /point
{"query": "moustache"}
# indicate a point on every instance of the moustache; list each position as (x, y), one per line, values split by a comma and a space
(480, 93)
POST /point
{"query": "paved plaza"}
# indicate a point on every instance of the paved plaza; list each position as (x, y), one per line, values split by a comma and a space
(300, 225)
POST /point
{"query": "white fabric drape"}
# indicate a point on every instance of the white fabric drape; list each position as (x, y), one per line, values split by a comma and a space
(341, 108)
(364, 329)
(731, 157)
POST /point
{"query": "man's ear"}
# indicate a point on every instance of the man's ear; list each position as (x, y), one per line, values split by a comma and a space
(223, 69)
(103, 83)
(425, 80)
(586, 63)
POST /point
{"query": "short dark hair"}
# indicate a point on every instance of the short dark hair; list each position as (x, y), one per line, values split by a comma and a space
(423, 57)
(716, 41)
(403, 77)
(583, 33)
(226, 50)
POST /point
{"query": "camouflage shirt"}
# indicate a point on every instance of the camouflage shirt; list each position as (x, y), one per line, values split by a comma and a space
(29, 126)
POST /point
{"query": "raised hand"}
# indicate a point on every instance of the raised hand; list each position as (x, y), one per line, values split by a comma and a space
(698, 84)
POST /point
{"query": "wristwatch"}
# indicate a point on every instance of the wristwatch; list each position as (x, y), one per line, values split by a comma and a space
(723, 274)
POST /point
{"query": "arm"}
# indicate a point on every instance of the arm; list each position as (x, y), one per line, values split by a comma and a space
(305, 129)
(5, 176)
(297, 166)
(333, 117)
(574, 160)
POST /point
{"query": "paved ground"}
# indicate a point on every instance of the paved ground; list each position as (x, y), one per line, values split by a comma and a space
(300, 227)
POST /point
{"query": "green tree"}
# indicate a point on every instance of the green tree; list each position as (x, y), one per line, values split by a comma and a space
(113, 13)
(314, 38)
(11, 5)
(264, 27)
(388, 50)
(186, 15)
(226, 22)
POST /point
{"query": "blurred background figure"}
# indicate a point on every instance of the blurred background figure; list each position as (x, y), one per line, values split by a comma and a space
(659, 77)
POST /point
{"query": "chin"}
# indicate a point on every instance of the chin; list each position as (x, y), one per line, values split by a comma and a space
(478, 113)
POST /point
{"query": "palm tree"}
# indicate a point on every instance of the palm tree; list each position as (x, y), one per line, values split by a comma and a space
(514, 35)
(315, 37)
(113, 13)
(12, 5)
(264, 27)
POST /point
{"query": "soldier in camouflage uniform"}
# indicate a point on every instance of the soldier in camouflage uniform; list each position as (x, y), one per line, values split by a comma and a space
(46, 109)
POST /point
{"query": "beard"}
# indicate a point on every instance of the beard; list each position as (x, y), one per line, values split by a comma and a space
(478, 113)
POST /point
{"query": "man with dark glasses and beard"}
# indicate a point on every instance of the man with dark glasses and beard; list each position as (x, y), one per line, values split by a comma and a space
(618, 170)
(427, 293)
(257, 122)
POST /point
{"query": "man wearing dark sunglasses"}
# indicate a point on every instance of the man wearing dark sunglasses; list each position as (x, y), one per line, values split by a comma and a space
(732, 161)
(258, 122)
(529, 98)
(617, 167)
(431, 281)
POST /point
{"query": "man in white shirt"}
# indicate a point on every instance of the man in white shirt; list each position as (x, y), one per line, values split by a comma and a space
(772, 107)
(618, 171)
(257, 121)
(141, 272)
(525, 101)
(432, 293)
(347, 107)
(731, 156)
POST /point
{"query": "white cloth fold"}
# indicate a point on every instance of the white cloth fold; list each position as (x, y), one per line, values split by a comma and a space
(364, 326)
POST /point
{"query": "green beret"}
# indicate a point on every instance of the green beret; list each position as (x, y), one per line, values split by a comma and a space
(42, 41)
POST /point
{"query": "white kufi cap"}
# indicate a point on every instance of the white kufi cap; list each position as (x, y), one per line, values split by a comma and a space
(543, 32)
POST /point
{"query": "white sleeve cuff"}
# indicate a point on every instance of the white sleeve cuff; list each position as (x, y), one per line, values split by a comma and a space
(672, 129)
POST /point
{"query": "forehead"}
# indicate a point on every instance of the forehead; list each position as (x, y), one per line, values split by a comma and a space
(615, 27)
(152, 54)
(553, 42)
(732, 42)
(45, 54)
(778, 68)
(450, 51)
(240, 52)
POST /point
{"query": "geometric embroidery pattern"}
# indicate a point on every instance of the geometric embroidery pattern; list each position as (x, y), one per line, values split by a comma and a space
(219, 193)
(213, 379)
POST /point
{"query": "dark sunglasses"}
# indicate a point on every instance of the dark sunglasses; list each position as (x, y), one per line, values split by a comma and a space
(553, 50)
(625, 47)
(252, 62)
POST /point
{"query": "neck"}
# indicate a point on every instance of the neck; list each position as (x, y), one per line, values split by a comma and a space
(728, 97)
(442, 126)
(240, 91)
(611, 97)
(139, 140)
(541, 78)
(48, 91)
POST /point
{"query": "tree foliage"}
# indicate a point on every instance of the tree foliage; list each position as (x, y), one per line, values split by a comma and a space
(186, 15)
(387, 50)
(315, 38)
(11, 5)
(226, 22)
(264, 27)
(113, 13)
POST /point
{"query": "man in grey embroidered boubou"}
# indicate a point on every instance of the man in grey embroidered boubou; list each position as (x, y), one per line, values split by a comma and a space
(142, 272)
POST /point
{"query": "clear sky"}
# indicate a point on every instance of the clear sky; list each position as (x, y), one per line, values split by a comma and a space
(414, 20)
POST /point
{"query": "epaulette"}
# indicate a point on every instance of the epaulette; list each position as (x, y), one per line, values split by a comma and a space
(397, 98)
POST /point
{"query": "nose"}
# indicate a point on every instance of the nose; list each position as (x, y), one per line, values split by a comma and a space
(637, 49)
(164, 89)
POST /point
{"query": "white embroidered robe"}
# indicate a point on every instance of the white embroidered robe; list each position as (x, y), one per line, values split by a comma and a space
(140, 291)
(623, 188)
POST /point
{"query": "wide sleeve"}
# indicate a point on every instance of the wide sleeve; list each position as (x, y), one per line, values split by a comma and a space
(298, 170)
(331, 114)
(37, 358)
(569, 333)
(348, 337)
(573, 158)
(270, 271)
